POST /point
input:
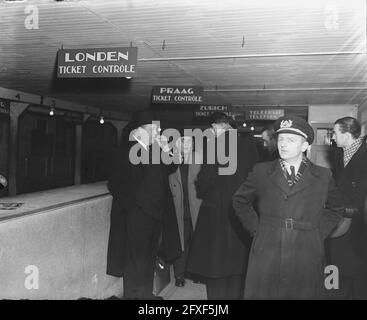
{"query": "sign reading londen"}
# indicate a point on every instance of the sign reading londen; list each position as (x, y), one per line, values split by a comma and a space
(177, 95)
(97, 63)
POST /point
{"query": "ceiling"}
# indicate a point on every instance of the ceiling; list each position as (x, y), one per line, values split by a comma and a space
(290, 53)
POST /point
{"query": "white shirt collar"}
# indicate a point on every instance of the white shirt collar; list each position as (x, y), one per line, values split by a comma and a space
(296, 166)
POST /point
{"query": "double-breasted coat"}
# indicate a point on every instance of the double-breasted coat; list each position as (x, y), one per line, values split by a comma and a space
(287, 256)
(349, 252)
(175, 182)
(152, 199)
(219, 248)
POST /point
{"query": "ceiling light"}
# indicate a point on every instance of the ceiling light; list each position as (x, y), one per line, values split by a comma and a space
(252, 128)
(101, 120)
(52, 112)
(244, 125)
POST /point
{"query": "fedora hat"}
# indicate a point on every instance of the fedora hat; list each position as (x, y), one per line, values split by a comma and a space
(221, 117)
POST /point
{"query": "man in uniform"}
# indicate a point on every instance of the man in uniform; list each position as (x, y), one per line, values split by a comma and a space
(295, 214)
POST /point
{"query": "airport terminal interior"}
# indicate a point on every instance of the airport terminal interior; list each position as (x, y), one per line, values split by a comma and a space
(73, 74)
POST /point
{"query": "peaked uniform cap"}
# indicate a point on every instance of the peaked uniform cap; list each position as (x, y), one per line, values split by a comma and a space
(295, 125)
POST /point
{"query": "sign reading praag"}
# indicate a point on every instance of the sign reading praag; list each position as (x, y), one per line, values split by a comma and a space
(177, 95)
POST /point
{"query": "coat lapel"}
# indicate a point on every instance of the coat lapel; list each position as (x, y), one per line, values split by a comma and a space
(191, 168)
(276, 177)
(178, 176)
(345, 173)
(306, 180)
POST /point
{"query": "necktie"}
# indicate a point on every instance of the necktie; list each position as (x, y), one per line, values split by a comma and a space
(293, 174)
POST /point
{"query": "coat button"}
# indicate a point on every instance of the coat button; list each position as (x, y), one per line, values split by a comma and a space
(285, 197)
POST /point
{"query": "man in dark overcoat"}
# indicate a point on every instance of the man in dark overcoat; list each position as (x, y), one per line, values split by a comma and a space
(349, 251)
(295, 203)
(219, 249)
(269, 149)
(142, 211)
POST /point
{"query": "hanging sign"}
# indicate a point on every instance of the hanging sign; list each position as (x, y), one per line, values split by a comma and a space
(208, 110)
(4, 106)
(177, 95)
(264, 114)
(97, 63)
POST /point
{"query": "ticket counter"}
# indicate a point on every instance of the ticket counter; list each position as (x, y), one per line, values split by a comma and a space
(53, 245)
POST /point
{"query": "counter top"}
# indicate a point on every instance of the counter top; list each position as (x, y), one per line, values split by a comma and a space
(36, 202)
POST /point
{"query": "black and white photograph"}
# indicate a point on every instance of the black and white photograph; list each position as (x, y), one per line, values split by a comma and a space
(200, 152)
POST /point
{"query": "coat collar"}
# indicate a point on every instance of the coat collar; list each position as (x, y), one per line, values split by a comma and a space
(310, 175)
(194, 156)
(362, 151)
(360, 157)
(177, 175)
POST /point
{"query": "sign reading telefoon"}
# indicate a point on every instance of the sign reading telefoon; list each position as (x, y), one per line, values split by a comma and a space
(177, 95)
(264, 114)
(97, 63)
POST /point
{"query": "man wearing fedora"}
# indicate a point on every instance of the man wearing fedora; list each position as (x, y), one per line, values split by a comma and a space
(219, 249)
(297, 210)
(142, 211)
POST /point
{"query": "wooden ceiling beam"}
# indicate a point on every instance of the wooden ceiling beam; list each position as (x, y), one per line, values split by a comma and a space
(20, 96)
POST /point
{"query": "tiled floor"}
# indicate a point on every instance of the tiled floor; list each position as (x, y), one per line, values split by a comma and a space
(191, 291)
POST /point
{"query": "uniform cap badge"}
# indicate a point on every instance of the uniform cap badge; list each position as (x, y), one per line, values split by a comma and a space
(286, 124)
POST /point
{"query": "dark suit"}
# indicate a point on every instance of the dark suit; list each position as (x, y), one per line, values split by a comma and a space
(142, 208)
(266, 155)
(219, 249)
(286, 261)
(349, 252)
